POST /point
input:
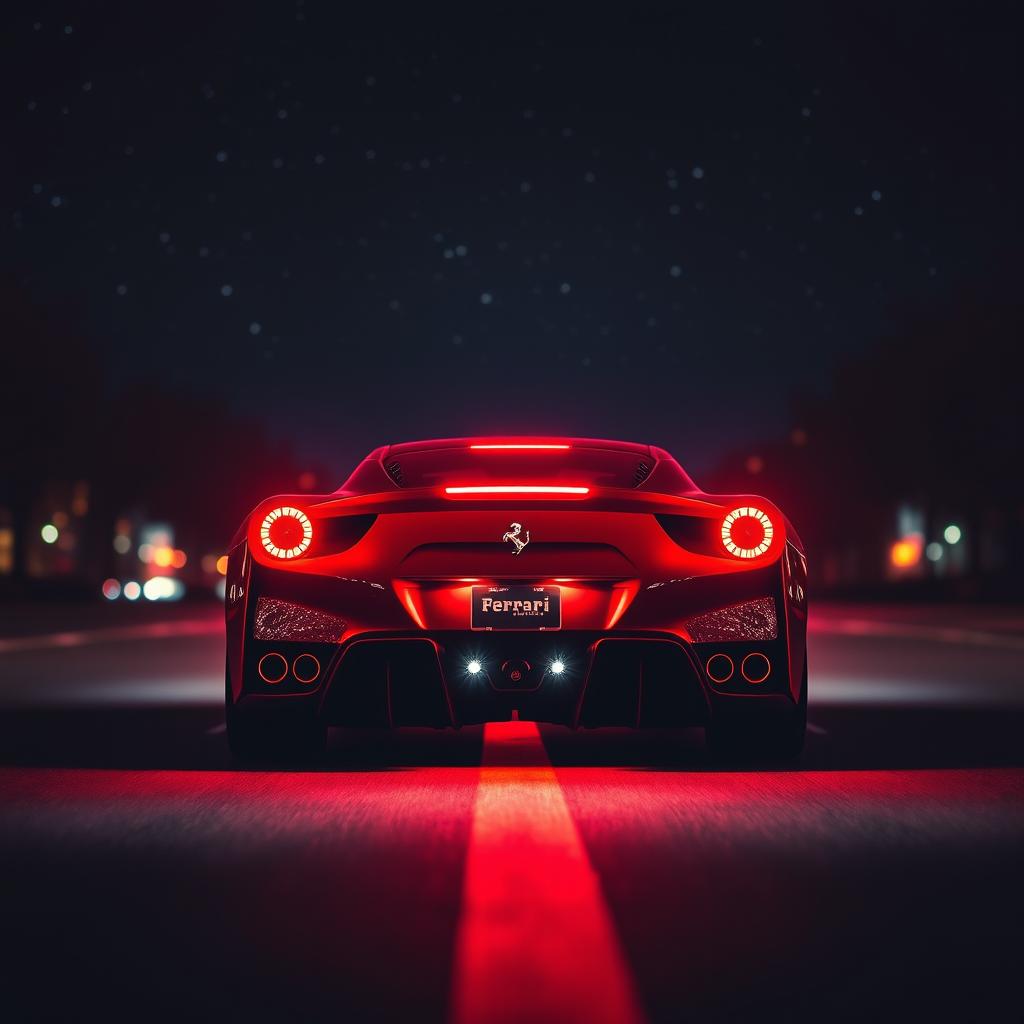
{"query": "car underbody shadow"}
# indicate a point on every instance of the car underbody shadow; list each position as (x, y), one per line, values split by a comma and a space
(191, 738)
(839, 738)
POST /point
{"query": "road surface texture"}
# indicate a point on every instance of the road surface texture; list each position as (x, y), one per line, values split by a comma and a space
(515, 872)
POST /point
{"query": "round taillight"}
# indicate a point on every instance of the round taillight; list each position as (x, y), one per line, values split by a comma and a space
(286, 532)
(747, 532)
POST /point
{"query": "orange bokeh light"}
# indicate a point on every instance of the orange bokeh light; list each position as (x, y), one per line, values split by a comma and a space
(163, 556)
(222, 565)
(906, 552)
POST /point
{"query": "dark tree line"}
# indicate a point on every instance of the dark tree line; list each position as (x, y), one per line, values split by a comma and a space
(191, 462)
(931, 416)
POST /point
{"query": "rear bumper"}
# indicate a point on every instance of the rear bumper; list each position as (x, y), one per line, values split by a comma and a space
(641, 669)
(634, 679)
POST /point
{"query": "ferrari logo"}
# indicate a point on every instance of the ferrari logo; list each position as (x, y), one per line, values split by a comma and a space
(512, 534)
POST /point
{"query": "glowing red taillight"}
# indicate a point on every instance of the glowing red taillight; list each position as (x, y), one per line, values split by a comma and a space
(286, 532)
(747, 532)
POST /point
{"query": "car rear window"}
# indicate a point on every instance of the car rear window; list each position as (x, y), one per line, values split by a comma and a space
(483, 466)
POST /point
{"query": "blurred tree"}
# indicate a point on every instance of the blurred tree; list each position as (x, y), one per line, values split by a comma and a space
(48, 412)
(932, 416)
(177, 458)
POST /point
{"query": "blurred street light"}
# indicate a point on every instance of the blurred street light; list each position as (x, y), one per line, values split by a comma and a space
(163, 556)
(906, 552)
(952, 533)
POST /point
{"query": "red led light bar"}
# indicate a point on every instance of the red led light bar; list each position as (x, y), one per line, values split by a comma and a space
(518, 447)
(516, 489)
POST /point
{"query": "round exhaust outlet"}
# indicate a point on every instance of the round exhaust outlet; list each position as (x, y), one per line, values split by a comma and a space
(756, 668)
(720, 668)
(306, 668)
(272, 668)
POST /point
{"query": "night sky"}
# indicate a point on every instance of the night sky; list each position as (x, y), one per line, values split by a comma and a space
(649, 225)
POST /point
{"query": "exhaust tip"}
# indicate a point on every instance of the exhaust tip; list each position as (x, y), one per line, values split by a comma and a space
(272, 668)
(756, 668)
(720, 668)
(306, 668)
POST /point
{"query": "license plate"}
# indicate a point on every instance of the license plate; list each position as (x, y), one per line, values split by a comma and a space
(519, 607)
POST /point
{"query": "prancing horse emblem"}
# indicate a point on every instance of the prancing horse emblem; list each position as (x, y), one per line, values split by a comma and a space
(512, 534)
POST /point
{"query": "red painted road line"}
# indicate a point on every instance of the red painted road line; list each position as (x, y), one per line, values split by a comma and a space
(535, 938)
(82, 638)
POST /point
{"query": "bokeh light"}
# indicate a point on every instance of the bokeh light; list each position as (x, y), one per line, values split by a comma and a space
(163, 556)
(906, 552)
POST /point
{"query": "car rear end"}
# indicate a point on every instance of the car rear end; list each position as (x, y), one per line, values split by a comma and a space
(580, 582)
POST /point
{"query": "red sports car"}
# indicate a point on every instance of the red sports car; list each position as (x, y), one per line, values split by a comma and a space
(567, 580)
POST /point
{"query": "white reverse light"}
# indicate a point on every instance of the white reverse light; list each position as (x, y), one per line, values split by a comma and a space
(558, 666)
(473, 667)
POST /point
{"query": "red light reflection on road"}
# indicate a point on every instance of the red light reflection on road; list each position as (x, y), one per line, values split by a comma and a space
(535, 937)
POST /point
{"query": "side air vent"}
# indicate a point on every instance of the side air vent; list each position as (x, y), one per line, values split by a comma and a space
(642, 472)
(394, 470)
(339, 533)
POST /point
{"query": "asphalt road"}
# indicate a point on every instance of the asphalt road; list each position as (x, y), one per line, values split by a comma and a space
(512, 873)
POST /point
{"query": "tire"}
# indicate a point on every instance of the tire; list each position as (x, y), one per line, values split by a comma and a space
(772, 738)
(281, 738)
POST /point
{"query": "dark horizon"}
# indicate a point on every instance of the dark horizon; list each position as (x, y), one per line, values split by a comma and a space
(362, 233)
